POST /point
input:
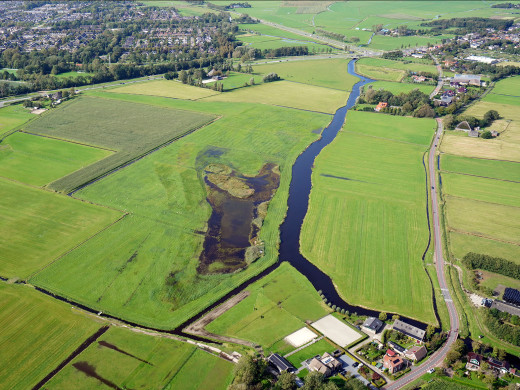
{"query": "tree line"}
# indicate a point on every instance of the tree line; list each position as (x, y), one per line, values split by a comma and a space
(492, 264)
(414, 103)
(467, 25)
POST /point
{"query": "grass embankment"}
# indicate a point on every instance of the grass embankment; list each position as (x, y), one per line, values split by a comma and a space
(39, 226)
(130, 360)
(366, 225)
(322, 73)
(278, 305)
(128, 128)
(38, 333)
(145, 267)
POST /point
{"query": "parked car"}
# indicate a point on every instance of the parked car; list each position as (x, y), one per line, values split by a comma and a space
(431, 370)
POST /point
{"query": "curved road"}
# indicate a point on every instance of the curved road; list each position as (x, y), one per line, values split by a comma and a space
(437, 358)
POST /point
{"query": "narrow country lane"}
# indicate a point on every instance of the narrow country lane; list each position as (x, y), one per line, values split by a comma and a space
(437, 358)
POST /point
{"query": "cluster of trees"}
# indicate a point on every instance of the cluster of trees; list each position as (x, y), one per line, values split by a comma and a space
(451, 121)
(468, 25)
(492, 264)
(250, 53)
(393, 55)
(228, 7)
(270, 77)
(501, 325)
(330, 34)
(414, 103)
(505, 5)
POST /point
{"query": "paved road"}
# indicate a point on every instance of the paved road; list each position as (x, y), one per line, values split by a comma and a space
(440, 82)
(437, 358)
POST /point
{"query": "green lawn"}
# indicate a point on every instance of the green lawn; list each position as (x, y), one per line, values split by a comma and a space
(503, 170)
(38, 333)
(318, 348)
(38, 226)
(385, 42)
(135, 361)
(130, 129)
(397, 88)
(12, 117)
(287, 94)
(401, 65)
(125, 269)
(237, 80)
(366, 225)
(73, 74)
(39, 160)
(323, 73)
(380, 73)
(492, 280)
(279, 304)
(166, 88)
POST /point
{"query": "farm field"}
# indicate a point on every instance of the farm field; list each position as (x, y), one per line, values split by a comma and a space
(391, 64)
(461, 243)
(483, 189)
(126, 273)
(270, 31)
(505, 147)
(31, 221)
(380, 73)
(73, 74)
(323, 73)
(123, 359)
(39, 160)
(382, 42)
(264, 42)
(397, 88)
(501, 222)
(165, 88)
(127, 128)
(366, 217)
(509, 86)
(287, 94)
(13, 116)
(278, 305)
(38, 333)
(503, 170)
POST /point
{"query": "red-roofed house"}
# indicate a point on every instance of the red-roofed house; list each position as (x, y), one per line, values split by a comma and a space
(380, 106)
(393, 363)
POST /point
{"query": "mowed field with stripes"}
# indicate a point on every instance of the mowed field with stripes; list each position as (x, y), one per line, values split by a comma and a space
(481, 180)
(367, 226)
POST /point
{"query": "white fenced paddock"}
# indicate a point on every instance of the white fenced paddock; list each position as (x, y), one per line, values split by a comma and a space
(336, 330)
(300, 337)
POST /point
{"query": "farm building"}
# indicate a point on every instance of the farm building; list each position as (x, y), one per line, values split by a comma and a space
(465, 79)
(409, 330)
(280, 363)
(372, 325)
(482, 59)
(416, 353)
(506, 307)
(512, 296)
(473, 133)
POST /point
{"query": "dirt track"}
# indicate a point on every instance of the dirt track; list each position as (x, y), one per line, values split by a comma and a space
(198, 327)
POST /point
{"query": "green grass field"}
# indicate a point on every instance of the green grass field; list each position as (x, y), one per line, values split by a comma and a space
(400, 65)
(323, 73)
(12, 117)
(39, 160)
(380, 73)
(503, 170)
(129, 264)
(38, 333)
(73, 74)
(264, 42)
(279, 304)
(501, 221)
(366, 225)
(509, 86)
(128, 128)
(397, 88)
(318, 348)
(383, 42)
(287, 94)
(38, 226)
(478, 188)
(461, 243)
(166, 88)
(135, 361)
